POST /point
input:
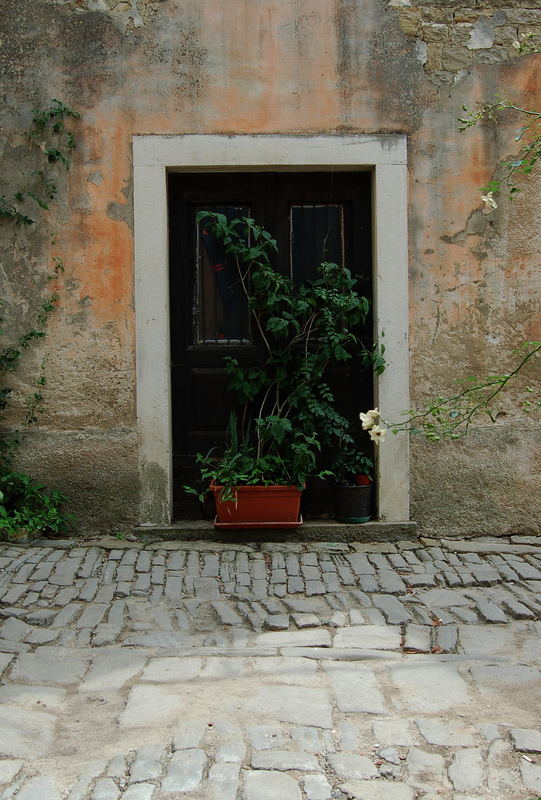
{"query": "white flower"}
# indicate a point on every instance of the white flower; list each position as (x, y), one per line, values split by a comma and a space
(369, 419)
(377, 433)
(488, 200)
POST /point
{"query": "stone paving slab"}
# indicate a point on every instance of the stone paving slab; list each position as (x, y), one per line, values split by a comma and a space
(221, 672)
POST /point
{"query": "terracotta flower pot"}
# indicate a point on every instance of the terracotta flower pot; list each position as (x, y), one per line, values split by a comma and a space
(258, 507)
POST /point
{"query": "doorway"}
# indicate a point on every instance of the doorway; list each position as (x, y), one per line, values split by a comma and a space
(315, 217)
(157, 156)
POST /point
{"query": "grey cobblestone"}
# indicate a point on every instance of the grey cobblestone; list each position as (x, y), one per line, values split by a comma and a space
(284, 760)
(42, 787)
(13, 595)
(317, 787)
(490, 612)
(373, 616)
(143, 561)
(394, 611)
(146, 765)
(466, 577)
(390, 582)
(269, 784)
(105, 789)
(368, 583)
(526, 571)
(224, 603)
(531, 776)
(349, 765)
(185, 771)
(314, 588)
(139, 791)
(92, 616)
(418, 638)
(360, 564)
(420, 579)
(426, 770)
(466, 771)
(527, 741)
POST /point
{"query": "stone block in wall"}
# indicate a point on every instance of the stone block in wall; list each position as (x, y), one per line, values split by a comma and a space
(505, 4)
(455, 56)
(433, 57)
(442, 15)
(443, 78)
(505, 35)
(434, 32)
(461, 33)
(466, 15)
(447, 5)
(492, 4)
(410, 19)
(523, 16)
(495, 55)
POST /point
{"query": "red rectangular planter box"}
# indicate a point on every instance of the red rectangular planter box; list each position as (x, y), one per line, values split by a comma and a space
(259, 505)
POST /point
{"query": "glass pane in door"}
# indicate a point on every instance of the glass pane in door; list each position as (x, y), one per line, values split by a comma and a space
(316, 235)
(220, 305)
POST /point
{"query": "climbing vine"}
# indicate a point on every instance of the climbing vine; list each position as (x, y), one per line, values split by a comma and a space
(49, 133)
(25, 504)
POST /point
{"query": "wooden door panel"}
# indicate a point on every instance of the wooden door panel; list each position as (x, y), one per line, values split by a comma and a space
(210, 406)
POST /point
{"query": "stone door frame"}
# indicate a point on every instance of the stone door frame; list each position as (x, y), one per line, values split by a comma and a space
(385, 156)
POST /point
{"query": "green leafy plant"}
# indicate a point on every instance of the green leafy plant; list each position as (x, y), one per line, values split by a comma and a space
(286, 411)
(348, 463)
(26, 504)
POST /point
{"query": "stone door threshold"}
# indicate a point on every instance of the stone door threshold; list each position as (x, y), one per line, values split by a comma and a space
(311, 531)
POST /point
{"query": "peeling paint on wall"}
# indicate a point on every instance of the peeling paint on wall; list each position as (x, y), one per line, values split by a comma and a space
(125, 13)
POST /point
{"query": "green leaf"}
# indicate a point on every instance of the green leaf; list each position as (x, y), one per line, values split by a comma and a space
(275, 324)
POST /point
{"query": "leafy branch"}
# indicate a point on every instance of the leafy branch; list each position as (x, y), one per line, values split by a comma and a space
(450, 417)
(529, 135)
(527, 157)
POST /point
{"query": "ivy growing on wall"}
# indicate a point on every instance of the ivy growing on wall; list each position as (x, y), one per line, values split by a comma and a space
(24, 504)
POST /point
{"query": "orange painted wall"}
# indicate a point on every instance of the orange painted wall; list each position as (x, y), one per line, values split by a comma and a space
(283, 66)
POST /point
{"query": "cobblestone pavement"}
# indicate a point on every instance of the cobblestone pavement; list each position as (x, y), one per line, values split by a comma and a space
(272, 672)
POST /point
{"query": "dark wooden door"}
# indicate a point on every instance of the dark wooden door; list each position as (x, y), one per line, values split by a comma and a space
(314, 217)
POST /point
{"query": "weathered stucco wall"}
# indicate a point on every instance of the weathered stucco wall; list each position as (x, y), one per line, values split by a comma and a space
(279, 66)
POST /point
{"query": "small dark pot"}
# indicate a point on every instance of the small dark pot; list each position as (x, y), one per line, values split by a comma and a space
(353, 503)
